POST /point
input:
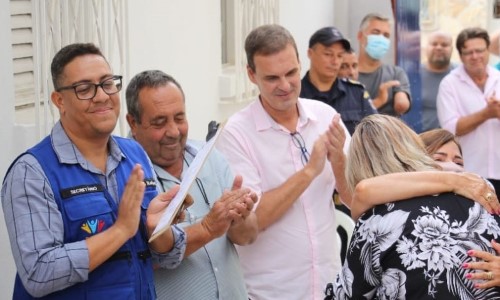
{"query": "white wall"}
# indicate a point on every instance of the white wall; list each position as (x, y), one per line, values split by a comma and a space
(182, 38)
(302, 19)
(7, 137)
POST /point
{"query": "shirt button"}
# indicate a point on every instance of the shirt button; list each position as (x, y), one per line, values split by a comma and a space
(216, 269)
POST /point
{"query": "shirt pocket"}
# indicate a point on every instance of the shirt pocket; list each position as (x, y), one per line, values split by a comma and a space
(87, 215)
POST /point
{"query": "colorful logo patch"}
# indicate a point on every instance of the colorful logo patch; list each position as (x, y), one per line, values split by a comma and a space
(93, 226)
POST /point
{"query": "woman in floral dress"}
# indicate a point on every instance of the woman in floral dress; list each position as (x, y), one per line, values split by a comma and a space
(412, 249)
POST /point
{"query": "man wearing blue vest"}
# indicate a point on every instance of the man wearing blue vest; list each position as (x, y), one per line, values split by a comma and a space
(81, 204)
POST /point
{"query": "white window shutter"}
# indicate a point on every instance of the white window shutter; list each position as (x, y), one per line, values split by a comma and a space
(22, 49)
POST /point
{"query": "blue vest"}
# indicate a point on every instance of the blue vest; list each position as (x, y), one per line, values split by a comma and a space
(87, 209)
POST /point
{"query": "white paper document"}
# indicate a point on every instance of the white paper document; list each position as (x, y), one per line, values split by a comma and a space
(189, 177)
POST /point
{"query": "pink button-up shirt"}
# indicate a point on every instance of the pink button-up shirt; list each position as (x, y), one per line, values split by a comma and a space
(458, 97)
(298, 255)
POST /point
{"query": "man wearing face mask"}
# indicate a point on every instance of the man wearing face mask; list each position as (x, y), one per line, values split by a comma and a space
(387, 83)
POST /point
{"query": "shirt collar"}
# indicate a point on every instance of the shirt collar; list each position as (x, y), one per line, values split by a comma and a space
(340, 85)
(337, 85)
(462, 74)
(264, 121)
(190, 152)
(164, 175)
(68, 153)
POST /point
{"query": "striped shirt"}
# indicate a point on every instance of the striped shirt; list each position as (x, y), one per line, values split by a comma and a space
(213, 271)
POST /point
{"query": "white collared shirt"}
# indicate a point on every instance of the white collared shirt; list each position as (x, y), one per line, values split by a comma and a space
(295, 257)
(458, 97)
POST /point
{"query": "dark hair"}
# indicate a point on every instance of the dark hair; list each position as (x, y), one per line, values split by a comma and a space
(471, 33)
(66, 55)
(145, 79)
(351, 51)
(266, 40)
(436, 138)
(327, 36)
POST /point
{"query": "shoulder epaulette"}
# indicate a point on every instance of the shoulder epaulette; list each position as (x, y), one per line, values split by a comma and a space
(366, 95)
(352, 81)
(355, 82)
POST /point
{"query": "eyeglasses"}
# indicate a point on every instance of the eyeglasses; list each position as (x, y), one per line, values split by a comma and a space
(470, 52)
(298, 141)
(190, 217)
(87, 90)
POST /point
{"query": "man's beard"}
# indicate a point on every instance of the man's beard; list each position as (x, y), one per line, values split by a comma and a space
(440, 63)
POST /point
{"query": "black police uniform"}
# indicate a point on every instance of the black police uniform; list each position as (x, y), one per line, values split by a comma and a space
(348, 97)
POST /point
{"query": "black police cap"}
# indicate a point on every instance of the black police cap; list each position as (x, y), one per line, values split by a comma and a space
(328, 36)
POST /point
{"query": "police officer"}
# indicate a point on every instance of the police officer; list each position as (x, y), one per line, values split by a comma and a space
(326, 49)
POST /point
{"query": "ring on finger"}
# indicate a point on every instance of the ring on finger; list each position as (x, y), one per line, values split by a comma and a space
(489, 196)
(489, 275)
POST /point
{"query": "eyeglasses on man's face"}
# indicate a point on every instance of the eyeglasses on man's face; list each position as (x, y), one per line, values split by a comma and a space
(472, 51)
(87, 90)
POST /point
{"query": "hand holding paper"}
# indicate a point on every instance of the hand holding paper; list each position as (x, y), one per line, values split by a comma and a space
(159, 203)
(188, 178)
(157, 207)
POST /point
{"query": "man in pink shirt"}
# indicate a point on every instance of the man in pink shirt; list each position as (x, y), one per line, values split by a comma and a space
(468, 105)
(291, 152)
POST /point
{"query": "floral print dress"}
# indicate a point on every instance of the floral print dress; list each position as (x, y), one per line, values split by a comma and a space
(414, 249)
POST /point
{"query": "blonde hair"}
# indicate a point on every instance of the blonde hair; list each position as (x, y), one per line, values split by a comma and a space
(381, 145)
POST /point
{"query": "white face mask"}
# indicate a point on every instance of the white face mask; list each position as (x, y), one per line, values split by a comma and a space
(450, 166)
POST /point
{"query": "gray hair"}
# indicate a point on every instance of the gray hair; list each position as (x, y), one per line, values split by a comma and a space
(145, 79)
(370, 17)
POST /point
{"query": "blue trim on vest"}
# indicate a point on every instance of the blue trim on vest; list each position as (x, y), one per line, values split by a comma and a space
(87, 208)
